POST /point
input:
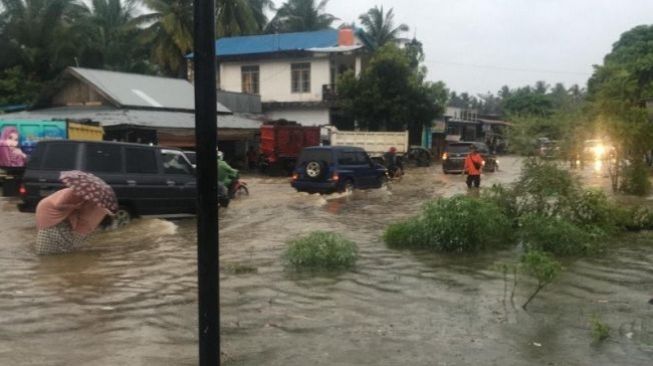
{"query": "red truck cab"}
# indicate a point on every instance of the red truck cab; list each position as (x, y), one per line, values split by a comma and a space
(282, 141)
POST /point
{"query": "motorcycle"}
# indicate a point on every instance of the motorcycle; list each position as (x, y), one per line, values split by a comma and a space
(238, 188)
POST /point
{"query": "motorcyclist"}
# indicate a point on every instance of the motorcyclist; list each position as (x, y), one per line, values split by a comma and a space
(226, 174)
(393, 162)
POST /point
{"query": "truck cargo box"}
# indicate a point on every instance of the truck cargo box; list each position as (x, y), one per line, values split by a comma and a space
(375, 143)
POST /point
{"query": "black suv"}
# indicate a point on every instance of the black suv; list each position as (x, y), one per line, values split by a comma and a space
(326, 169)
(453, 159)
(148, 180)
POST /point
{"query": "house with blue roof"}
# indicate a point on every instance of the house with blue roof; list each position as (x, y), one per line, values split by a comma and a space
(293, 73)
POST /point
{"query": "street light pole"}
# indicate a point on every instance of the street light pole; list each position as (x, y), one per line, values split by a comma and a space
(207, 180)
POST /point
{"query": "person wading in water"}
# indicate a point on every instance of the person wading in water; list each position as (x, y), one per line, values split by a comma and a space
(473, 164)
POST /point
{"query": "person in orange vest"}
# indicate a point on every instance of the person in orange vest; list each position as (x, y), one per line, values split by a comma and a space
(473, 164)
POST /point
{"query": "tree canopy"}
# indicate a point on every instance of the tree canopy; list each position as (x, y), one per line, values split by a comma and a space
(389, 95)
(301, 16)
(380, 27)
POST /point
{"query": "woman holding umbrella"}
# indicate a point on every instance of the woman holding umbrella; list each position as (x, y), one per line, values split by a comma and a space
(66, 217)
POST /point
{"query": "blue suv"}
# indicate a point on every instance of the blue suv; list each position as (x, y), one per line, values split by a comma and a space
(326, 169)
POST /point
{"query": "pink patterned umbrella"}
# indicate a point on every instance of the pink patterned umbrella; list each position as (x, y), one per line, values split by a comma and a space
(91, 188)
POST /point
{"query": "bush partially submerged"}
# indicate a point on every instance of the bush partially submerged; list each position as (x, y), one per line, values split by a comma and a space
(321, 250)
(457, 224)
(543, 188)
(559, 236)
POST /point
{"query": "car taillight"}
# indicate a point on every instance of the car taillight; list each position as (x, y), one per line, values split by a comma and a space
(295, 176)
(445, 156)
(335, 177)
(22, 190)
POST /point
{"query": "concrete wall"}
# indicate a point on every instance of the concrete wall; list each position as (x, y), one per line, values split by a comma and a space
(306, 117)
(275, 79)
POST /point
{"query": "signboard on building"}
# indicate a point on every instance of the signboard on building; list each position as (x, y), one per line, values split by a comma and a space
(438, 127)
(19, 137)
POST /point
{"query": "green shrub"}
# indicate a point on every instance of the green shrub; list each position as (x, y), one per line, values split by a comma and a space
(600, 330)
(457, 224)
(560, 236)
(542, 267)
(504, 198)
(636, 179)
(543, 188)
(407, 234)
(634, 218)
(321, 250)
(592, 207)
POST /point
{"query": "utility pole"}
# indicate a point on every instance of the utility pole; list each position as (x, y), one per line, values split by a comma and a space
(207, 179)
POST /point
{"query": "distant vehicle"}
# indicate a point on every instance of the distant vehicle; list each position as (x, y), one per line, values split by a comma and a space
(596, 149)
(192, 157)
(548, 149)
(453, 158)
(148, 180)
(327, 169)
(418, 156)
(281, 143)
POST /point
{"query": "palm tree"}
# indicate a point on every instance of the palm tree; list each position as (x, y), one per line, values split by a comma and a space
(109, 31)
(379, 26)
(301, 16)
(259, 7)
(33, 31)
(235, 17)
(169, 31)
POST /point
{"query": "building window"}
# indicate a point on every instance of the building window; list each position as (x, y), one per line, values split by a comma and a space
(301, 78)
(250, 79)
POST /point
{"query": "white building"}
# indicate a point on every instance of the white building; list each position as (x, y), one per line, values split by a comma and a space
(294, 73)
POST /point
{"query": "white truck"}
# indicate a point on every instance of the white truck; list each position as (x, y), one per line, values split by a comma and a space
(375, 143)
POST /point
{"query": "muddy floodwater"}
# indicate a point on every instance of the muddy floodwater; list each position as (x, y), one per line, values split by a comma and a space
(129, 298)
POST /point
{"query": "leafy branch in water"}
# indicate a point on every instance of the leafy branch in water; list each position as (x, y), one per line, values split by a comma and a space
(542, 267)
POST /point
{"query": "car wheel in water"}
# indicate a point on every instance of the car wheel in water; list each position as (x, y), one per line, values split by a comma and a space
(122, 217)
(384, 182)
(348, 187)
(314, 169)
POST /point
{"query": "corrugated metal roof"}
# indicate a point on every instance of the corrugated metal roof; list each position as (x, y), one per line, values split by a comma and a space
(269, 43)
(109, 116)
(142, 91)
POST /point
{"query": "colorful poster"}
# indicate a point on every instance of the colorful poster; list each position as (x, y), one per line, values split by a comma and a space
(19, 137)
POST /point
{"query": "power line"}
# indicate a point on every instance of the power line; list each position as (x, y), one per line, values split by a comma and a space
(507, 68)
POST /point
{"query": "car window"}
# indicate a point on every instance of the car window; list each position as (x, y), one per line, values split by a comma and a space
(362, 158)
(59, 157)
(346, 158)
(175, 162)
(322, 155)
(36, 158)
(458, 148)
(141, 161)
(104, 158)
(192, 157)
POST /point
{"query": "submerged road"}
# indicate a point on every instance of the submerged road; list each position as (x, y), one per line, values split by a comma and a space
(129, 298)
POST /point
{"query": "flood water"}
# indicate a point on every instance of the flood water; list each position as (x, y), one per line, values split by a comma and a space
(129, 298)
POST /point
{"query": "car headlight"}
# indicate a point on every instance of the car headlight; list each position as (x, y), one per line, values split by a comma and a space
(599, 150)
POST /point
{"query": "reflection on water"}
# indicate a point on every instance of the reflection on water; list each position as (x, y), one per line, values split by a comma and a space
(129, 297)
(598, 166)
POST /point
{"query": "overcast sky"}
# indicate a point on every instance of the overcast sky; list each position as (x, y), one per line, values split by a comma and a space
(479, 45)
